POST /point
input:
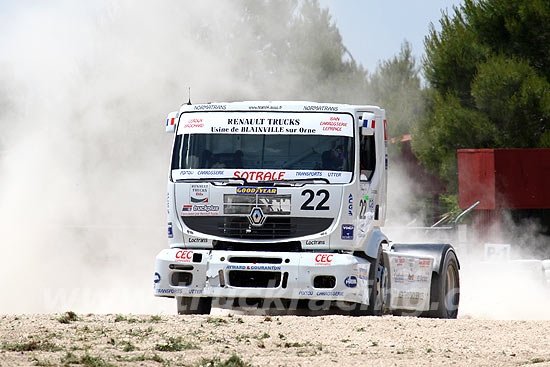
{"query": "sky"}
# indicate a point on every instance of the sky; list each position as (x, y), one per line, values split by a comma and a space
(373, 30)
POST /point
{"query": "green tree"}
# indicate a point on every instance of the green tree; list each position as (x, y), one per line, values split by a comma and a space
(396, 86)
(320, 60)
(286, 49)
(488, 70)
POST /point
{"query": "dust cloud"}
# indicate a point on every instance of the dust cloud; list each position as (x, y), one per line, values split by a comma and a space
(84, 92)
(510, 286)
(507, 282)
(84, 158)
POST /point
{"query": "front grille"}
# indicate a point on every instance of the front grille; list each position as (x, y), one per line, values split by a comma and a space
(270, 204)
(273, 227)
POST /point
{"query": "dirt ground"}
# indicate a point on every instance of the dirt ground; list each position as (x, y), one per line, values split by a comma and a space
(242, 340)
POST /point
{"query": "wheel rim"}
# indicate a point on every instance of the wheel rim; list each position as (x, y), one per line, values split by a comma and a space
(450, 286)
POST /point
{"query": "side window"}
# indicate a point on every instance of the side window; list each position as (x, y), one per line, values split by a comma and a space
(176, 153)
(368, 157)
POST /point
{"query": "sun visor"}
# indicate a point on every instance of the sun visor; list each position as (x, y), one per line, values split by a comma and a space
(287, 123)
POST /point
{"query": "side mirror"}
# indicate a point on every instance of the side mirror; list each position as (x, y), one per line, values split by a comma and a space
(171, 121)
(368, 124)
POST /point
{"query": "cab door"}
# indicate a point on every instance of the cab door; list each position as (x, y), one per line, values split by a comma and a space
(371, 168)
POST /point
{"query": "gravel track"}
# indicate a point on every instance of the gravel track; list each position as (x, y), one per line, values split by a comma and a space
(145, 340)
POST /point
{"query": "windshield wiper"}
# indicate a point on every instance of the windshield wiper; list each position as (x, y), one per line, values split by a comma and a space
(216, 180)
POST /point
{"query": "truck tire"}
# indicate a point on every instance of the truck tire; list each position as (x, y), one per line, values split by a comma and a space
(377, 272)
(194, 305)
(445, 290)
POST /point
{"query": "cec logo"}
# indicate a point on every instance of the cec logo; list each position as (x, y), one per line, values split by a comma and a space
(323, 259)
(184, 256)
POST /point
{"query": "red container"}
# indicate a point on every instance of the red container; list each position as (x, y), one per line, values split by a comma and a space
(504, 178)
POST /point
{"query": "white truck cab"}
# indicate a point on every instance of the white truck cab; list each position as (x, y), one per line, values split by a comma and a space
(284, 201)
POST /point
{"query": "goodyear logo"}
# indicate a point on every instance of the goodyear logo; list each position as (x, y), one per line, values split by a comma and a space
(257, 190)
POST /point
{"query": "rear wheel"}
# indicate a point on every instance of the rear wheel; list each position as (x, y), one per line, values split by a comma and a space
(194, 305)
(445, 290)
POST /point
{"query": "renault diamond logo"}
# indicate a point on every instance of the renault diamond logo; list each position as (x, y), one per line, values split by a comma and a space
(256, 217)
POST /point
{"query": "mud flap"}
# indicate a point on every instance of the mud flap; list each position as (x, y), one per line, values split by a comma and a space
(408, 281)
(387, 283)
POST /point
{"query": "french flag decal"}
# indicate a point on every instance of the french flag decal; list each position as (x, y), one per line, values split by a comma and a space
(171, 121)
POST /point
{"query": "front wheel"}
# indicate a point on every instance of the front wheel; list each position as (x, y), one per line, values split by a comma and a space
(445, 290)
(194, 305)
(377, 284)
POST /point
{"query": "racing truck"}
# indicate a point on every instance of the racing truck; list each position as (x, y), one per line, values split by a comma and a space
(280, 204)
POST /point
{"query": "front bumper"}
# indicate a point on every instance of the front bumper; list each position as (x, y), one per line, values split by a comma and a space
(268, 275)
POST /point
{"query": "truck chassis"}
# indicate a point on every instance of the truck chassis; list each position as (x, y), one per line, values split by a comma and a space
(268, 206)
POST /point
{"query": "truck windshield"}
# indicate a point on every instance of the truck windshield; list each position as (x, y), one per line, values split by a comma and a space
(254, 151)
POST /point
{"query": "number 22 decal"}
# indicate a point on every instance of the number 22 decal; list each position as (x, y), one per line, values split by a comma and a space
(311, 195)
